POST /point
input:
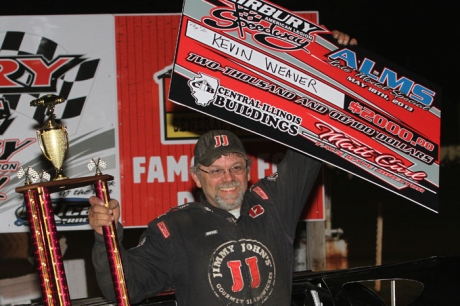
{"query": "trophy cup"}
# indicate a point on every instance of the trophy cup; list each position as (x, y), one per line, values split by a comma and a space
(53, 141)
(52, 137)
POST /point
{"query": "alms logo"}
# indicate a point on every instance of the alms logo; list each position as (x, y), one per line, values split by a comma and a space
(31, 66)
(386, 79)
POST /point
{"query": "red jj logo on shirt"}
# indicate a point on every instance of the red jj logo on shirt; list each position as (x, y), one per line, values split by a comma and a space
(242, 272)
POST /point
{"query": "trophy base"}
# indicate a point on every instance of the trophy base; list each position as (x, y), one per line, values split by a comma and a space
(60, 177)
(44, 233)
(64, 184)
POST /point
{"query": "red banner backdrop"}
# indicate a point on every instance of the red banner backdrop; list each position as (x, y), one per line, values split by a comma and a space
(156, 136)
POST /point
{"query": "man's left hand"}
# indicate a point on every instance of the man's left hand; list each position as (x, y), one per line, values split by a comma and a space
(344, 39)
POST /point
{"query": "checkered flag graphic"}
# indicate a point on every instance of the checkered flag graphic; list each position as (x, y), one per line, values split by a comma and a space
(5, 115)
(245, 16)
(74, 86)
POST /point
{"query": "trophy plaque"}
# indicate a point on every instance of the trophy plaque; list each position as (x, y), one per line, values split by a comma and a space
(54, 144)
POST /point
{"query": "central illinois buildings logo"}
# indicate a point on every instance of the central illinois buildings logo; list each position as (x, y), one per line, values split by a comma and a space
(203, 89)
(180, 124)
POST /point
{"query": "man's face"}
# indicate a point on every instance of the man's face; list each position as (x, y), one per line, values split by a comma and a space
(227, 190)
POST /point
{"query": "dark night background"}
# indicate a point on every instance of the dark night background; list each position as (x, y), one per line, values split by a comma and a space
(421, 36)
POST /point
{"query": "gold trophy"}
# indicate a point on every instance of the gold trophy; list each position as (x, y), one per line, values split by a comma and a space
(52, 137)
(54, 144)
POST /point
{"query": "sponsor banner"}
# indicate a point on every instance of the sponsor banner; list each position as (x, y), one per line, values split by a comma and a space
(70, 56)
(277, 74)
(157, 136)
(116, 109)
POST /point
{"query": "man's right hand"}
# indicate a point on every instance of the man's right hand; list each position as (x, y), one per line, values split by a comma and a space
(100, 216)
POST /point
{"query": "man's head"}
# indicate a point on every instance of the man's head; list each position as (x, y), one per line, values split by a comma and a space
(221, 168)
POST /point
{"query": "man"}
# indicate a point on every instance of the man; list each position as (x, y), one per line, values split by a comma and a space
(233, 247)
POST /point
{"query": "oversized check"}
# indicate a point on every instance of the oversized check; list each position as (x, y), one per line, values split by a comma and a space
(270, 71)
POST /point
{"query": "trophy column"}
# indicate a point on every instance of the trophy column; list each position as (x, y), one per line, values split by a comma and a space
(48, 280)
(111, 244)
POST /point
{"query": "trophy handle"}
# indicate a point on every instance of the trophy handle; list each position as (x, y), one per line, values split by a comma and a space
(64, 128)
(42, 146)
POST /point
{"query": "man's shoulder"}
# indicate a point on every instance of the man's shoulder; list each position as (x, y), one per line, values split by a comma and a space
(176, 218)
(181, 211)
